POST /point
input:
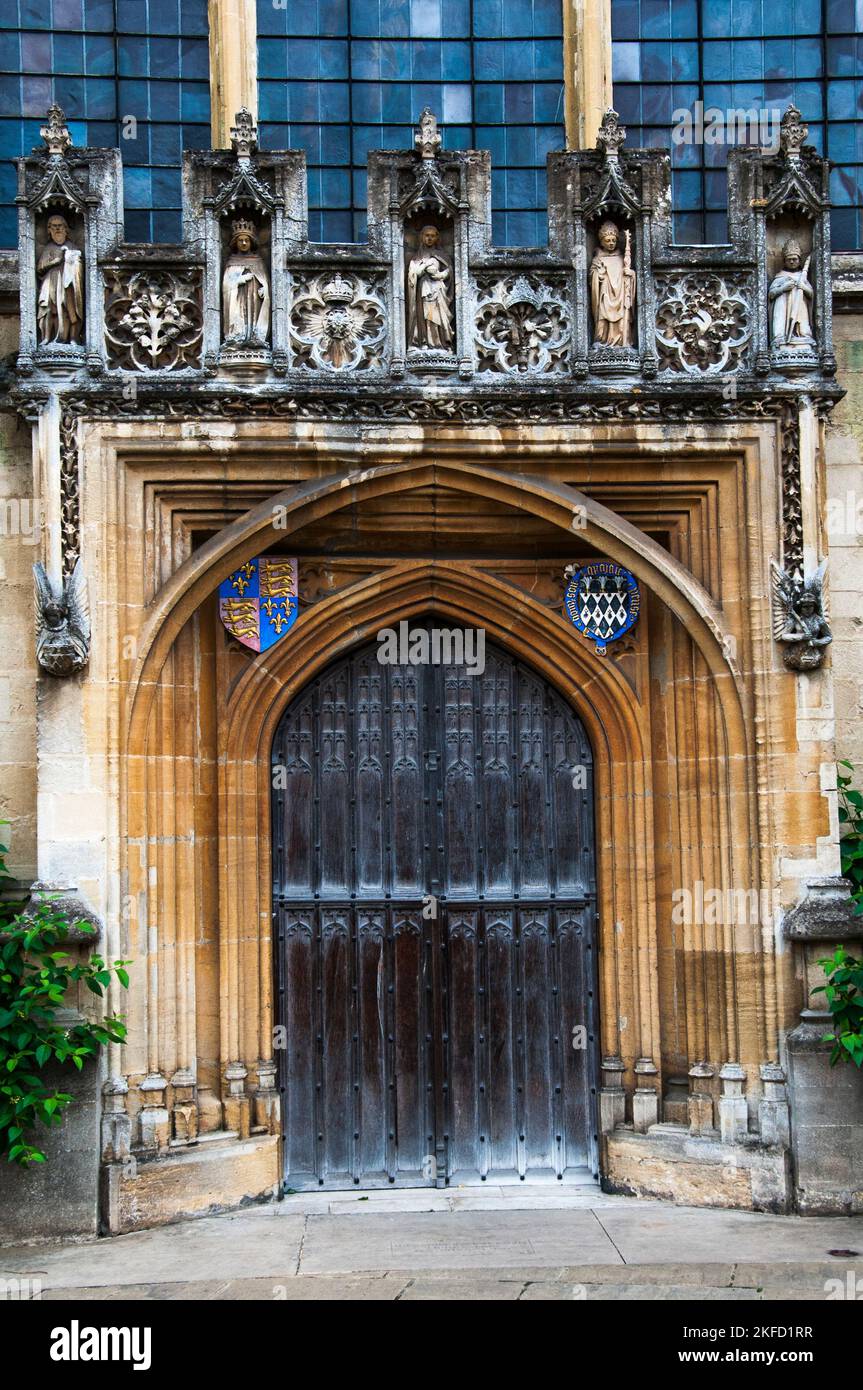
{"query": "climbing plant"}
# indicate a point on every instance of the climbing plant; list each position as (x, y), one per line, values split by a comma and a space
(851, 828)
(844, 991)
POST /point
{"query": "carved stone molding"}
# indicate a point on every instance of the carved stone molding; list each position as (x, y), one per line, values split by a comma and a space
(70, 500)
(703, 322)
(338, 321)
(522, 324)
(792, 504)
(153, 319)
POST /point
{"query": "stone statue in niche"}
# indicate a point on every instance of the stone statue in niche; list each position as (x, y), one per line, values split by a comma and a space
(60, 269)
(612, 289)
(62, 622)
(430, 292)
(798, 618)
(245, 290)
(790, 300)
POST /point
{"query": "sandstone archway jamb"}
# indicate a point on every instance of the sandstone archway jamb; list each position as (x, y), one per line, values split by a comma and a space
(558, 503)
(534, 633)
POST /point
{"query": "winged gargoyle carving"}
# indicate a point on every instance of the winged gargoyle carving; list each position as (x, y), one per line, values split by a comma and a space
(62, 622)
(798, 617)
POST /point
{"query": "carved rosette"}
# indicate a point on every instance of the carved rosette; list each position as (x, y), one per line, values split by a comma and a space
(338, 322)
(522, 325)
(703, 322)
(153, 319)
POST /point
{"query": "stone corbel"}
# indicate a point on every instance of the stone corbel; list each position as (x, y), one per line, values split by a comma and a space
(84, 925)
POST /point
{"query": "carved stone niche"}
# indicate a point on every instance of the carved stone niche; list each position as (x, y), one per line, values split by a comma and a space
(429, 246)
(243, 207)
(794, 256)
(246, 296)
(430, 311)
(69, 215)
(614, 265)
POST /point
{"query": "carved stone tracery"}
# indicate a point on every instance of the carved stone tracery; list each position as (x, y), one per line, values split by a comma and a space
(522, 324)
(338, 321)
(703, 322)
(153, 319)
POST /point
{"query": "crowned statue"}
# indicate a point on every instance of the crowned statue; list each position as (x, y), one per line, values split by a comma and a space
(430, 289)
(790, 301)
(60, 309)
(245, 289)
(612, 289)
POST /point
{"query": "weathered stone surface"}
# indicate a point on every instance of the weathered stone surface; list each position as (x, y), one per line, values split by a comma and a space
(697, 1170)
(198, 1180)
(61, 1196)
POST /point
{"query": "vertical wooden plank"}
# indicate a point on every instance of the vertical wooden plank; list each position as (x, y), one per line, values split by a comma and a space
(335, 819)
(532, 783)
(405, 789)
(539, 1044)
(336, 1092)
(498, 1049)
(302, 1047)
(575, 982)
(496, 770)
(409, 1104)
(461, 860)
(371, 1111)
(466, 1145)
(368, 827)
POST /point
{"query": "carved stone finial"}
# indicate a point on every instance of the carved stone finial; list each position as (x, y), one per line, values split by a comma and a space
(793, 133)
(244, 135)
(55, 132)
(427, 138)
(611, 135)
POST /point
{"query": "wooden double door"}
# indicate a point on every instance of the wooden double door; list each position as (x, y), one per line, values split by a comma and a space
(434, 915)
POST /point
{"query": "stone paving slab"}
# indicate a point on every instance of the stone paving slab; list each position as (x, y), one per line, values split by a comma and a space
(392, 1248)
(685, 1233)
(211, 1247)
(452, 1240)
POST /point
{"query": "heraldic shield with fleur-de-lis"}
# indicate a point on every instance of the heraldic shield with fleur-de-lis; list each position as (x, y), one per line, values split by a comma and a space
(602, 600)
(258, 602)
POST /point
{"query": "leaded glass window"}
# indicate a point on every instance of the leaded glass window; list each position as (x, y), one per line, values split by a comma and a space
(337, 78)
(742, 55)
(106, 61)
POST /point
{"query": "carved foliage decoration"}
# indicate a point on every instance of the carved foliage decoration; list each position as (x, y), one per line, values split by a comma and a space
(153, 319)
(522, 324)
(703, 322)
(338, 321)
(70, 499)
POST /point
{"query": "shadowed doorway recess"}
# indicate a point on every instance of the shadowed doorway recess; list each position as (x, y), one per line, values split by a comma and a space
(434, 909)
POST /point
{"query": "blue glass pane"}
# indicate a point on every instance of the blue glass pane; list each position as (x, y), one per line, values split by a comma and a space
(126, 74)
(499, 88)
(753, 56)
